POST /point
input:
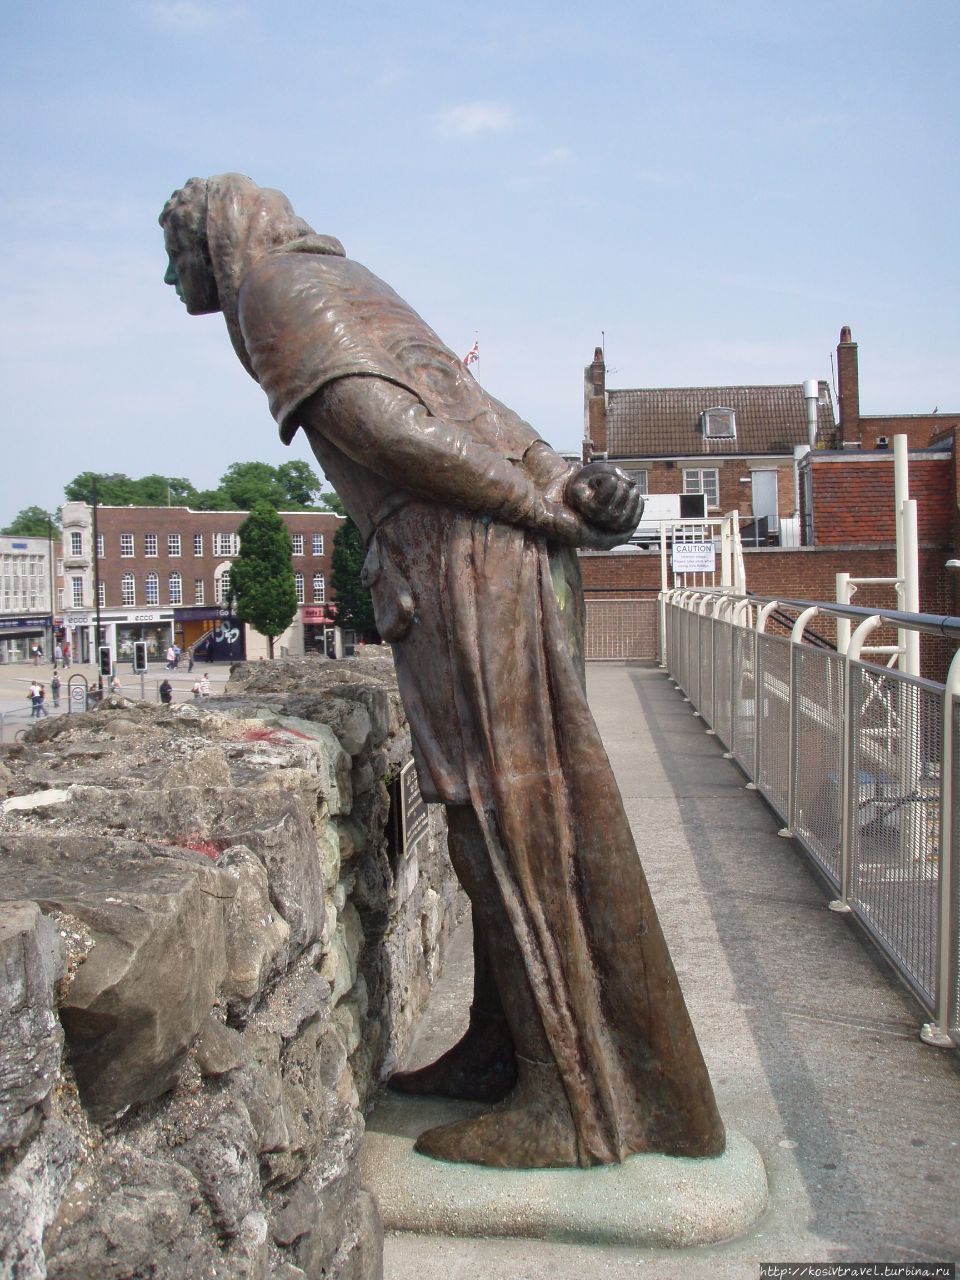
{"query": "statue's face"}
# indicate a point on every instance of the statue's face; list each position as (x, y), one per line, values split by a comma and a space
(188, 267)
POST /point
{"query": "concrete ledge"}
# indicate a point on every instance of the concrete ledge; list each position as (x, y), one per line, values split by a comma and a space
(649, 1200)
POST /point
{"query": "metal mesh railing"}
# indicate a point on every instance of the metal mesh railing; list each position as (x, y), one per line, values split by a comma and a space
(818, 755)
(894, 807)
(773, 723)
(852, 756)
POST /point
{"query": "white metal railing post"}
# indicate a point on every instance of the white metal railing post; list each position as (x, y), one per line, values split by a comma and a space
(762, 616)
(793, 727)
(843, 624)
(947, 978)
(846, 779)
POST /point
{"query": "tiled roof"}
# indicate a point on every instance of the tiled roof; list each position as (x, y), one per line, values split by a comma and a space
(665, 421)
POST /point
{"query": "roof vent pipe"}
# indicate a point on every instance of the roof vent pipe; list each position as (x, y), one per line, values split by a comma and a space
(811, 394)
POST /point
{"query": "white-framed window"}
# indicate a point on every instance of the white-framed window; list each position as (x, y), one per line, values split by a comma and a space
(176, 589)
(76, 544)
(703, 480)
(198, 544)
(102, 594)
(198, 591)
(221, 584)
(100, 551)
(297, 540)
(59, 599)
(319, 589)
(76, 591)
(640, 477)
(128, 590)
(225, 544)
(173, 544)
(719, 423)
(126, 544)
(151, 590)
(316, 544)
(298, 583)
(150, 544)
(59, 567)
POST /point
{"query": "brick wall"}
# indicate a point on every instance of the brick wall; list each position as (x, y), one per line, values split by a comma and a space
(853, 498)
(805, 573)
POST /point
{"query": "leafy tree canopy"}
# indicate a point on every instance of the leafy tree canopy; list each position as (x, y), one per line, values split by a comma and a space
(261, 576)
(330, 501)
(33, 522)
(354, 605)
(289, 487)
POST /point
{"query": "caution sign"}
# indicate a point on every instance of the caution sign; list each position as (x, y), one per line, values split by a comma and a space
(694, 557)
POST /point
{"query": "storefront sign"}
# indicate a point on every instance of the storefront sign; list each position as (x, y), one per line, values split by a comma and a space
(694, 557)
(318, 614)
(78, 619)
(9, 624)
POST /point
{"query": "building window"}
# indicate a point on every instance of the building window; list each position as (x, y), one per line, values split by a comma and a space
(99, 546)
(316, 544)
(719, 423)
(151, 590)
(126, 544)
(149, 544)
(297, 540)
(298, 583)
(76, 592)
(319, 589)
(59, 599)
(76, 544)
(128, 591)
(198, 544)
(221, 584)
(639, 478)
(102, 594)
(225, 544)
(173, 544)
(59, 568)
(176, 589)
(705, 480)
(198, 591)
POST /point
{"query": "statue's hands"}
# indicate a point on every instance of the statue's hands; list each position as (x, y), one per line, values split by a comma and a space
(609, 502)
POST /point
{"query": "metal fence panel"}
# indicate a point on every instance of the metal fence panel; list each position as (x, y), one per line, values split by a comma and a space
(773, 725)
(708, 631)
(722, 665)
(818, 754)
(894, 818)
(744, 697)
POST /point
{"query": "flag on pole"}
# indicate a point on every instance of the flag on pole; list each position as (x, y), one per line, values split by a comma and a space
(473, 355)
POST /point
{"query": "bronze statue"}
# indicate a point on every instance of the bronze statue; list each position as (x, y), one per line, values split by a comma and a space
(578, 1030)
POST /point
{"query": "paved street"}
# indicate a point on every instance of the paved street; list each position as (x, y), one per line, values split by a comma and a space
(811, 1041)
(16, 678)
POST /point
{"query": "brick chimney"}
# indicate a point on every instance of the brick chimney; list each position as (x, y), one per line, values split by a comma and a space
(595, 407)
(848, 380)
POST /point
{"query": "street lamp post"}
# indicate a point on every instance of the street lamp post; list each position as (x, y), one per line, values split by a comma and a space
(96, 583)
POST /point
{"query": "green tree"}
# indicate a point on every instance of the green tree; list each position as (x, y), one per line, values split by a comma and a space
(261, 576)
(327, 500)
(33, 522)
(301, 483)
(114, 490)
(354, 605)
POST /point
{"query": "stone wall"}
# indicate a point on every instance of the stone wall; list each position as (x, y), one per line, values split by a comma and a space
(212, 953)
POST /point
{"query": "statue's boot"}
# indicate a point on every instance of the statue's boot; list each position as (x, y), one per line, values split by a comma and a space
(481, 1066)
(531, 1129)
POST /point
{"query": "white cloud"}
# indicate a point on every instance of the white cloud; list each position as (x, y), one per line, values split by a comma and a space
(473, 118)
(190, 15)
(555, 156)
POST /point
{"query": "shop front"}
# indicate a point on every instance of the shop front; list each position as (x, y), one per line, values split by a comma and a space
(320, 631)
(211, 631)
(20, 636)
(118, 632)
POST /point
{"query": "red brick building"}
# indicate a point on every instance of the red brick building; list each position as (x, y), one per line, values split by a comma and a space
(737, 445)
(163, 575)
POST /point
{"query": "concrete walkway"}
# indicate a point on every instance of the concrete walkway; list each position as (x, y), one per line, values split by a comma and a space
(811, 1041)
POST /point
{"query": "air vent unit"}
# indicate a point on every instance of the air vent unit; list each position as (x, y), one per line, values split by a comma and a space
(719, 424)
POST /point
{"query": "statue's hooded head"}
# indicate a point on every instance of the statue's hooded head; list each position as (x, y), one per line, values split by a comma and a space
(215, 229)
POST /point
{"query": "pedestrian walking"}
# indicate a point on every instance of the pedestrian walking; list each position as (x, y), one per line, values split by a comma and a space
(55, 688)
(115, 686)
(176, 656)
(171, 657)
(35, 699)
(66, 653)
(204, 685)
(57, 655)
(37, 655)
(190, 657)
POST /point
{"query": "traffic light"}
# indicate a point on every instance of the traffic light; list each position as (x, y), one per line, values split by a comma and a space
(103, 661)
(139, 657)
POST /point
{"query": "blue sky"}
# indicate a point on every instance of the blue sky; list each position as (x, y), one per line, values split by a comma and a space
(717, 187)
